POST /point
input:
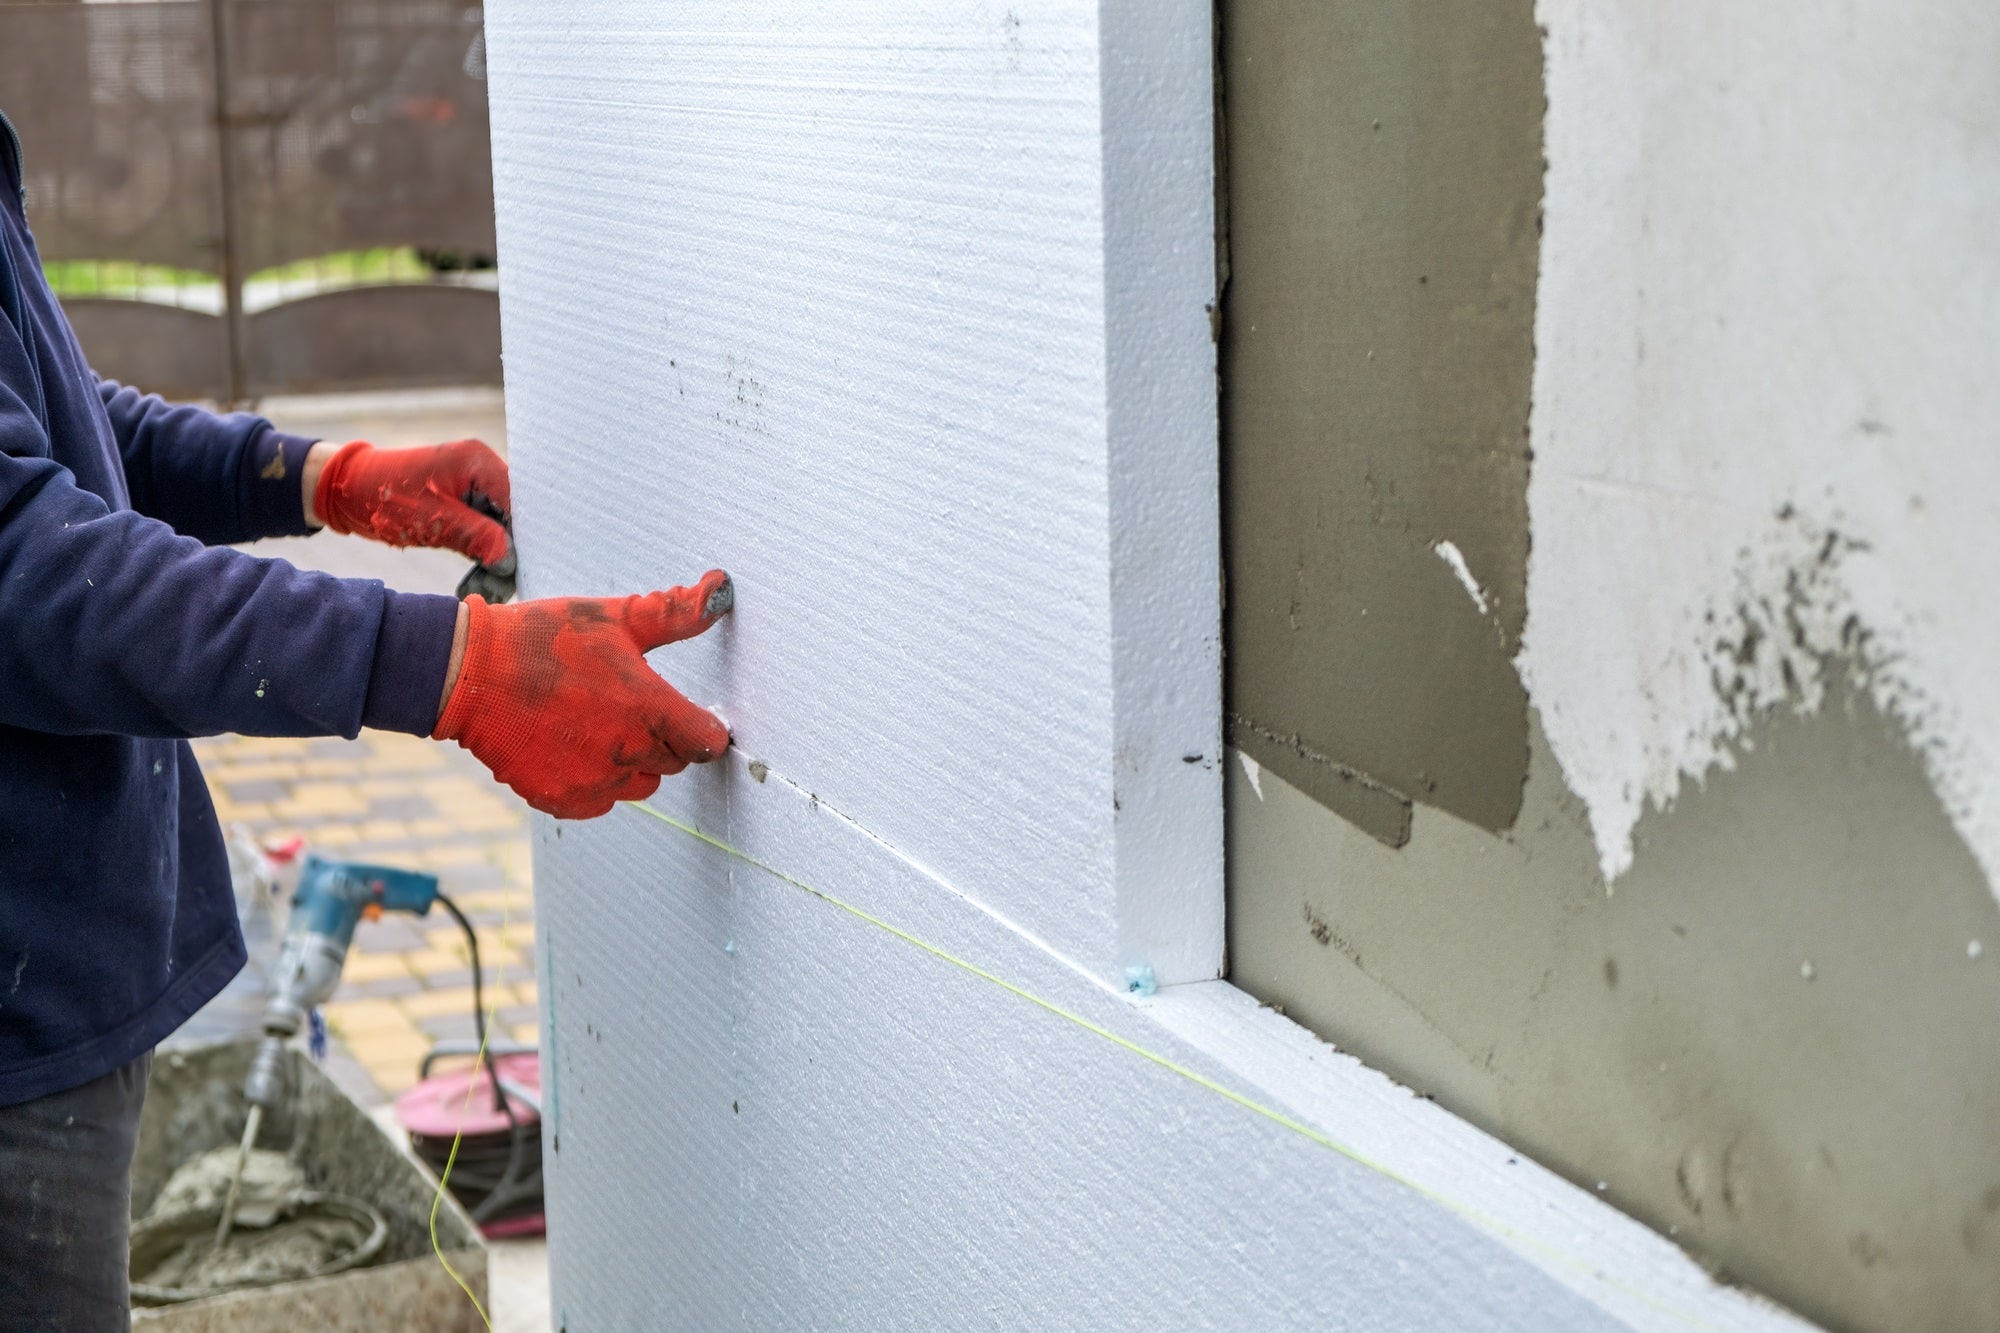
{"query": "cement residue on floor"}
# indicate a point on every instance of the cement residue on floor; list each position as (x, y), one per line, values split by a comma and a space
(287, 1250)
(280, 1234)
(272, 1183)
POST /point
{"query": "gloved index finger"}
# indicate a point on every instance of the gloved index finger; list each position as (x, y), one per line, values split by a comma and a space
(469, 532)
(683, 732)
(507, 566)
(483, 477)
(661, 618)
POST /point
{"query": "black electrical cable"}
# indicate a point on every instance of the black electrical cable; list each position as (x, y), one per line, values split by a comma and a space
(478, 974)
(478, 1000)
(483, 1177)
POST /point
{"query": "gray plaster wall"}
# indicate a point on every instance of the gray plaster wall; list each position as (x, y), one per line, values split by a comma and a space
(1378, 345)
(1763, 1018)
(1769, 1043)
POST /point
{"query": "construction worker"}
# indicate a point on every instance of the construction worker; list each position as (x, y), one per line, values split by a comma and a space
(127, 626)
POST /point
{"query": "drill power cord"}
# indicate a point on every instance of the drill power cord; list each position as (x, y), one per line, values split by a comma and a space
(483, 1020)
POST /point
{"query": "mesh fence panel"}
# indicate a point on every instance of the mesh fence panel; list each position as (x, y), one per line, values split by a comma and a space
(115, 107)
(357, 158)
(357, 125)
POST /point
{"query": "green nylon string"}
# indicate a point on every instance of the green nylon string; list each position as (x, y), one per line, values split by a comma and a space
(437, 1200)
(1491, 1225)
(479, 1063)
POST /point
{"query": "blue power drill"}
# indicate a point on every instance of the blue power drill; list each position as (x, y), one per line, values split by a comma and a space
(332, 898)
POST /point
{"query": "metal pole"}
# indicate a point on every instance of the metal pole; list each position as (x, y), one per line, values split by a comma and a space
(225, 142)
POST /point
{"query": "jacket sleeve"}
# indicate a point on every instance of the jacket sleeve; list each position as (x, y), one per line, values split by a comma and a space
(218, 478)
(111, 622)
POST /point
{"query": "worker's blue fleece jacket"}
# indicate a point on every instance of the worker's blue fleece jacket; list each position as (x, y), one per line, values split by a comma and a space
(123, 629)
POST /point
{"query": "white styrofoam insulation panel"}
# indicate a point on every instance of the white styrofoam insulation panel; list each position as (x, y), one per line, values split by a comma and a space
(896, 311)
(1767, 419)
(820, 294)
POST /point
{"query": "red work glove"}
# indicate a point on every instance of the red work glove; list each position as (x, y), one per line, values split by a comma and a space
(555, 696)
(444, 495)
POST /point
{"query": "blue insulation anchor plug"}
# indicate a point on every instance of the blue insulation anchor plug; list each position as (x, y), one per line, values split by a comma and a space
(1139, 979)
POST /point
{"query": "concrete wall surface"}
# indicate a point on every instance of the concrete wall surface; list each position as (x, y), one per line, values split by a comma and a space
(1632, 784)
(898, 312)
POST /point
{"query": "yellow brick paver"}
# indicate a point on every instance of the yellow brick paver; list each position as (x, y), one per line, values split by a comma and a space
(501, 900)
(457, 854)
(397, 763)
(393, 1064)
(402, 801)
(436, 962)
(489, 821)
(455, 1000)
(384, 830)
(364, 966)
(269, 770)
(310, 799)
(260, 746)
(362, 1018)
(452, 940)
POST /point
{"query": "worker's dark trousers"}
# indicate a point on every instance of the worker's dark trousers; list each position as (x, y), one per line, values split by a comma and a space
(66, 1206)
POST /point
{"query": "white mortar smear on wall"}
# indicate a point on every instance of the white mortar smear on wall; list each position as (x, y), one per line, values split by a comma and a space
(1449, 553)
(1767, 389)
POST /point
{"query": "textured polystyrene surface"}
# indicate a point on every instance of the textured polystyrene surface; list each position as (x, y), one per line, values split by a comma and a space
(814, 295)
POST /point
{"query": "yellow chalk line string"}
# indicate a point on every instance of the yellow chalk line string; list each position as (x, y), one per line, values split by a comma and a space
(458, 1137)
(1491, 1225)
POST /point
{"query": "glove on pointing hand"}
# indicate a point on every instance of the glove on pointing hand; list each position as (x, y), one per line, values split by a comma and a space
(419, 497)
(555, 696)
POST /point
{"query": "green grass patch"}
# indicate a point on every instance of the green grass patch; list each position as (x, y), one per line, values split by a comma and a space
(352, 268)
(348, 268)
(118, 277)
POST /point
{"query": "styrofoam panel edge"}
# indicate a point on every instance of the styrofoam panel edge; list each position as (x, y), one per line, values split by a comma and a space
(1156, 68)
